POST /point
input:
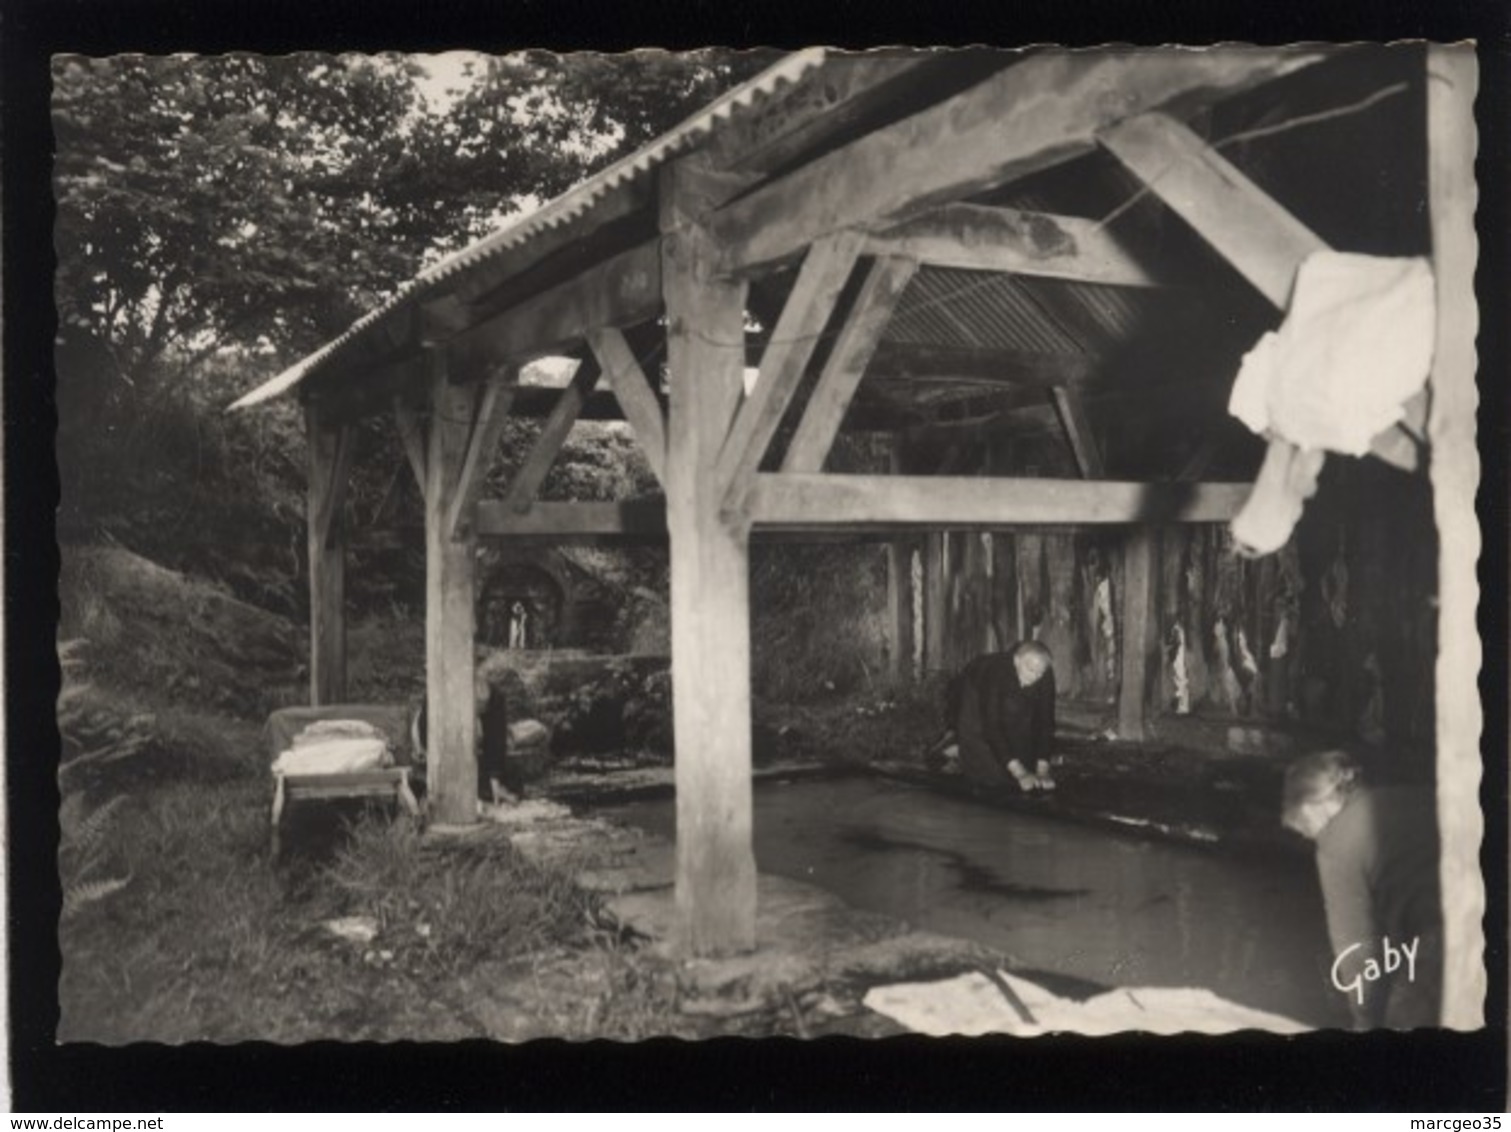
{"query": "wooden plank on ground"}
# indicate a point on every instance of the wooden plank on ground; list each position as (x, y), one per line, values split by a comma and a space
(553, 435)
(710, 577)
(791, 500)
(330, 453)
(642, 408)
(451, 708)
(1083, 442)
(791, 344)
(1029, 116)
(1452, 77)
(982, 238)
(835, 389)
(493, 401)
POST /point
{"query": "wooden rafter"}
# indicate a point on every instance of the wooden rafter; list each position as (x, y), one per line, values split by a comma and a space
(903, 502)
(621, 291)
(835, 389)
(980, 238)
(1248, 227)
(1083, 442)
(1244, 224)
(788, 350)
(493, 401)
(1054, 102)
(553, 435)
(642, 408)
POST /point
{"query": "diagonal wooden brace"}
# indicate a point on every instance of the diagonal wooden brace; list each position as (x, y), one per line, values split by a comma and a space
(642, 408)
(1248, 227)
(492, 409)
(792, 343)
(878, 298)
(552, 436)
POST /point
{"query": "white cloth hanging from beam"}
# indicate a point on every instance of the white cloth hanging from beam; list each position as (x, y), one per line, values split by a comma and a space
(1355, 346)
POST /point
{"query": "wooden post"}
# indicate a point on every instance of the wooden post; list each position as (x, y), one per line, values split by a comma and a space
(935, 606)
(1451, 139)
(330, 461)
(1138, 592)
(710, 576)
(451, 703)
(899, 590)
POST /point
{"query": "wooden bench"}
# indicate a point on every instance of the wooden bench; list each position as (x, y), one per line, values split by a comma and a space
(386, 782)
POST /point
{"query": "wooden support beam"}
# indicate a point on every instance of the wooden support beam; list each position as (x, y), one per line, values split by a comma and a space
(619, 292)
(1260, 238)
(451, 707)
(552, 436)
(710, 578)
(1452, 77)
(616, 523)
(493, 402)
(1138, 639)
(981, 238)
(412, 437)
(1036, 113)
(1254, 233)
(1083, 442)
(835, 389)
(788, 351)
(791, 500)
(642, 520)
(642, 408)
(330, 453)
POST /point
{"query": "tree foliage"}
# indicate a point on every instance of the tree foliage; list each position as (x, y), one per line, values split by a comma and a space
(266, 202)
(219, 217)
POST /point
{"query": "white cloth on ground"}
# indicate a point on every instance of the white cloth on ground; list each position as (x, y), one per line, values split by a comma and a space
(972, 1004)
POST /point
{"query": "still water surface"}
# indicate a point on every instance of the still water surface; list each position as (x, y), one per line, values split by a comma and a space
(1112, 908)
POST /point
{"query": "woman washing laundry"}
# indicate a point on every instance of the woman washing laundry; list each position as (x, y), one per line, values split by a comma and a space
(1002, 709)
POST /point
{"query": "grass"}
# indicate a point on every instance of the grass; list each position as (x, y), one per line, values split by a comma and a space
(208, 942)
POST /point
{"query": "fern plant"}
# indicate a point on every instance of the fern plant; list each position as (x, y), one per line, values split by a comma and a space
(84, 857)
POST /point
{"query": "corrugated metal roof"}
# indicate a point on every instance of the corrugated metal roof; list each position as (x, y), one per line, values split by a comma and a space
(950, 307)
(565, 208)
